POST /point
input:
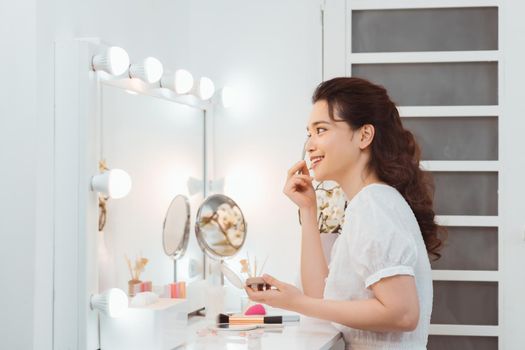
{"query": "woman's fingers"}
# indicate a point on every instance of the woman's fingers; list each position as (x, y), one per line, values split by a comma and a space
(293, 184)
(305, 177)
(304, 180)
(273, 281)
(300, 165)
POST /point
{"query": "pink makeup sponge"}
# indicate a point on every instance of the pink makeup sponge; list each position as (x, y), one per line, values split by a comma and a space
(256, 309)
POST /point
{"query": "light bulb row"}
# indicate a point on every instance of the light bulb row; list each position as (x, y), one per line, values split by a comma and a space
(115, 61)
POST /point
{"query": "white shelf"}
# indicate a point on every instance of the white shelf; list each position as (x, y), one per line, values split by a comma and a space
(424, 57)
(462, 165)
(448, 111)
(139, 87)
(418, 4)
(465, 330)
(162, 304)
(465, 275)
(467, 220)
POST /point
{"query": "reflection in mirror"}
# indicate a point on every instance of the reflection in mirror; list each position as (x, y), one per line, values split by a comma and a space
(176, 230)
(220, 227)
(161, 144)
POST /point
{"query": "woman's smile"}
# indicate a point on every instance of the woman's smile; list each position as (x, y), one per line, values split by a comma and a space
(315, 161)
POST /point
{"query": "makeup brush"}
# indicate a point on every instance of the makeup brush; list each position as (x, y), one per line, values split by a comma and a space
(237, 320)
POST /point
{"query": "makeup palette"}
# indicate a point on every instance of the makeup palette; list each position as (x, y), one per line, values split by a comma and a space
(257, 283)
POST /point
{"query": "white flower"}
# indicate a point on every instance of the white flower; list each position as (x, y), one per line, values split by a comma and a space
(331, 204)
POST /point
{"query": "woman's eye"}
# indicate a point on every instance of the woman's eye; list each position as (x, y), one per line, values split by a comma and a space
(320, 130)
(308, 135)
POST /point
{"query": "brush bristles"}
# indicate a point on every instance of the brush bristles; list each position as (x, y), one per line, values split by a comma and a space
(222, 318)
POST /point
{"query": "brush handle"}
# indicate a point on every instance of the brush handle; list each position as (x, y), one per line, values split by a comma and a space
(238, 320)
(273, 319)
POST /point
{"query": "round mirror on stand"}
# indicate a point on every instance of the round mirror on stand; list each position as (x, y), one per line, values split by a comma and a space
(221, 232)
(176, 230)
(220, 227)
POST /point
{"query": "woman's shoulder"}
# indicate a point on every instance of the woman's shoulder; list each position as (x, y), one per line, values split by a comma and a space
(376, 195)
(381, 206)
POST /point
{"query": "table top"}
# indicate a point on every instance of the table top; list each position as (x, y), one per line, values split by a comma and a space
(307, 334)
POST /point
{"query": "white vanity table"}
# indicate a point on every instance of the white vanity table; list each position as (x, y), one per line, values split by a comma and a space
(307, 334)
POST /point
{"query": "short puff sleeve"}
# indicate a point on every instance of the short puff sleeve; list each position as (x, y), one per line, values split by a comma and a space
(380, 246)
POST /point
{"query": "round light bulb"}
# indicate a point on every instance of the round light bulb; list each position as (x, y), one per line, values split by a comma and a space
(183, 81)
(150, 70)
(114, 61)
(115, 183)
(228, 97)
(119, 183)
(206, 88)
(118, 302)
(113, 302)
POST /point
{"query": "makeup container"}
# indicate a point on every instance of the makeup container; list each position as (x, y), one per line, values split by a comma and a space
(146, 286)
(257, 283)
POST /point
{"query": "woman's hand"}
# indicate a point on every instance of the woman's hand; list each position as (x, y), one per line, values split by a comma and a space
(285, 296)
(299, 187)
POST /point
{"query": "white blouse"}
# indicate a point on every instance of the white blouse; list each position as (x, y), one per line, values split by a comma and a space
(380, 238)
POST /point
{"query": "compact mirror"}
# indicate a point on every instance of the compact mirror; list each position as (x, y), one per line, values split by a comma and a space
(176, 231)
(220, 227)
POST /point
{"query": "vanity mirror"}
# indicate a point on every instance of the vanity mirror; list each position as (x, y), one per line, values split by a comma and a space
(176, 229)
(160, 143)
(220, 227)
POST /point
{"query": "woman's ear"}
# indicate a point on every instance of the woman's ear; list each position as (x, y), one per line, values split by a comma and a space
(366, 133)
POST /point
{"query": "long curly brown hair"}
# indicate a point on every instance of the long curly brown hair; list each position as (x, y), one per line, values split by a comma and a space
(395, 154)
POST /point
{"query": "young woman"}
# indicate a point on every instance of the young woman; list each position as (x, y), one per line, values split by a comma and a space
(378, 287)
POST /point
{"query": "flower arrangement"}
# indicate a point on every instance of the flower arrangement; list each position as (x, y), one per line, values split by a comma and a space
(135, 270)
(331, 206)
(247, 267)
(228, 219)
(138, 267)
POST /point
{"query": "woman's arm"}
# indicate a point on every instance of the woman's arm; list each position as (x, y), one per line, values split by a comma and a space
(314, 269)
(394, 307)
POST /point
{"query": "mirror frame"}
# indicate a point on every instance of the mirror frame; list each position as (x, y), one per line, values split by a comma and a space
(183, 245)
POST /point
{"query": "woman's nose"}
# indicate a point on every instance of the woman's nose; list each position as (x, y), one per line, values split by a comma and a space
(309, 145)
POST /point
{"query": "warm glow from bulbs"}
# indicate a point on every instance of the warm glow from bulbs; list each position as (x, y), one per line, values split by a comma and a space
(117, 302)
(114, 60)
(119, 183)
(115, 183)
(183, 81)
(150, 70)
(206, 88)
(113, 302)
(153, 69)
(228, 97)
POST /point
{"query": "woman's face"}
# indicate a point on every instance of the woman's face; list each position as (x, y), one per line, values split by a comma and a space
(332, 147)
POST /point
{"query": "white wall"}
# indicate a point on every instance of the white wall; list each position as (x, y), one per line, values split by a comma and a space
(17, 166)
(271, 53)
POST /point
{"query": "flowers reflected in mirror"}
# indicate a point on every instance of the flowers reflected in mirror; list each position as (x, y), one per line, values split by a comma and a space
(229, 221)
